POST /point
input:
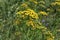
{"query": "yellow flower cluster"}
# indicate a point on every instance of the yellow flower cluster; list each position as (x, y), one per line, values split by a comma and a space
(30, 23)
(29, 13)
(50, 39)
(55, 3)
(44, 29)
(43, 13)
(32, 14)
(35, 25)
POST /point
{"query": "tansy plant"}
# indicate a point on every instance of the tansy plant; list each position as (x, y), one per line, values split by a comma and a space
(31, 19)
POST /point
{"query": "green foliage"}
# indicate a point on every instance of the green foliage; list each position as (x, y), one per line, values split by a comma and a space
(29, 19)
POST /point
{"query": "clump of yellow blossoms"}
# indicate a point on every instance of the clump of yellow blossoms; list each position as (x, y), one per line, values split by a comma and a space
(30, 13)
(55, 3)
(43, 13)
(31, 21)
(50, 39)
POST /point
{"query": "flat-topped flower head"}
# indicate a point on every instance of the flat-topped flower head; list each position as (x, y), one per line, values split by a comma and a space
(30, 13)
(43, 13)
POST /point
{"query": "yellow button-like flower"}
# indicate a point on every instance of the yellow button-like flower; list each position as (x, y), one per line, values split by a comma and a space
(49, 38)
(26, 12)
(30, 23)
(43, 13)
(30, 13)
(20, 12)
(36, 15)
